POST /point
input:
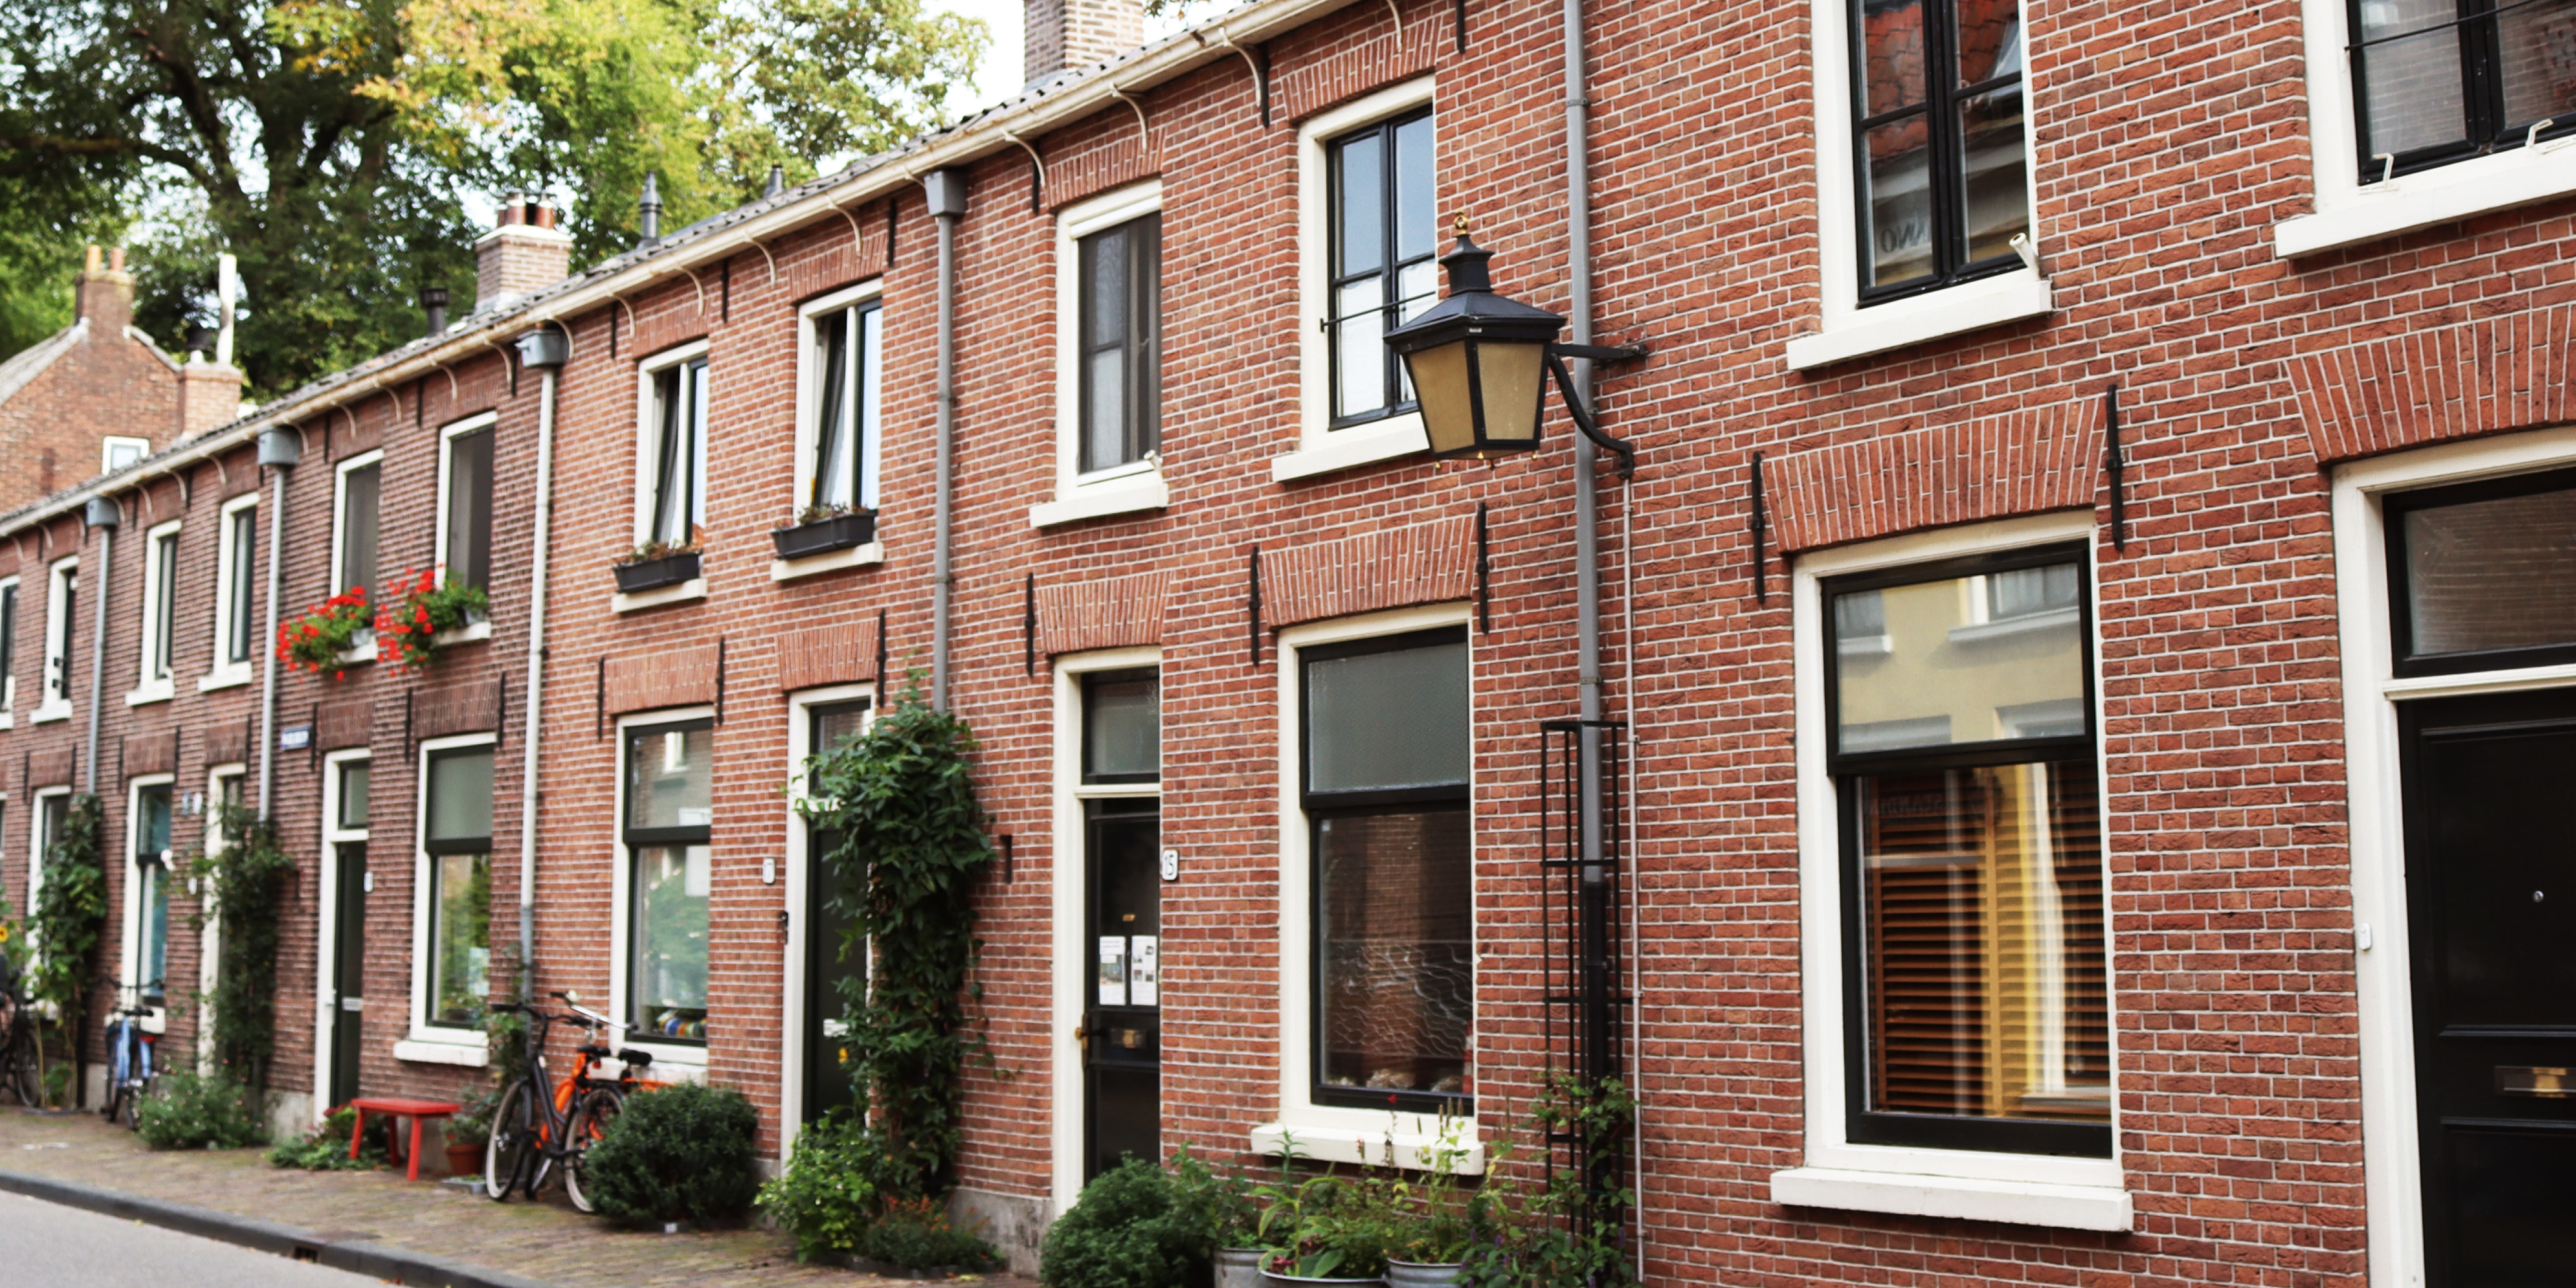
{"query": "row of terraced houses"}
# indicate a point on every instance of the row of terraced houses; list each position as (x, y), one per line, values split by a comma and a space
(2084, 648)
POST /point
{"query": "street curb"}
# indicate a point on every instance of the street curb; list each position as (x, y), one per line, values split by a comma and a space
(358, 1256)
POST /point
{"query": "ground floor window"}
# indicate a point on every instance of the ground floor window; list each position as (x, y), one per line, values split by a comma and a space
(152, 891)
(667, 833)
(457, 839)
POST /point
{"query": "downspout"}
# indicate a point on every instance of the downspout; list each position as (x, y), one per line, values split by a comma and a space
(280, 448)
(103, 515)
(547, 351)
(946, 193)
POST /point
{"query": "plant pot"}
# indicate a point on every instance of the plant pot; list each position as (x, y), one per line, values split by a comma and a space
(653, 574)
(1238, 1268)
(1274, 1277)
(1423, 1274)
(840, 532)
(464, 1160)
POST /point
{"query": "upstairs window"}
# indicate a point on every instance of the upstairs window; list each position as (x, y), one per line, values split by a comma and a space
(1120, 347)
(62, 603)
(2436, 81)
(849, 358)
(8, 646)
(353, 535)
(160, 604)
(675, 459)
(236, 578)
(1940, 141)
(115, 452)
(465, 505)
(1384, 261)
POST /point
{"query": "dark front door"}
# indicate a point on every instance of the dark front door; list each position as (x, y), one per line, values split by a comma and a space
(835, 960)
(1123, 1028)
(2491, 908)
(348, 969)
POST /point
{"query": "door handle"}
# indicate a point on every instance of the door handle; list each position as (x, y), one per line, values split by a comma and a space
(1082, 1037)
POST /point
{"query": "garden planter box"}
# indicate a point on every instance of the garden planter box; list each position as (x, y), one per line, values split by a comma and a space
(653, 574)
(837, 533)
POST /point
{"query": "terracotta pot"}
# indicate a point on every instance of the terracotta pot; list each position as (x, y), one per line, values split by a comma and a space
(464, 1160)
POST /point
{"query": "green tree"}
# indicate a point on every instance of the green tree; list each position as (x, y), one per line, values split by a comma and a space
(332, 144)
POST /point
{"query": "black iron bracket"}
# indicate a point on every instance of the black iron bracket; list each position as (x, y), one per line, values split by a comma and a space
(881, 647)
(1761, 526)
(1580, 410)
(1484, 576)
(720, 678)
(1256, 607)
(1029, 626)
(598, 698)
(2116, 466)
(500, 722)
(1008, 857)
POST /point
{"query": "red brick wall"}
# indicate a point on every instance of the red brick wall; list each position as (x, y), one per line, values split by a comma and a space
(106, 382)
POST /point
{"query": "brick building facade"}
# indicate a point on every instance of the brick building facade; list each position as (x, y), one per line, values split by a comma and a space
(2053, 602)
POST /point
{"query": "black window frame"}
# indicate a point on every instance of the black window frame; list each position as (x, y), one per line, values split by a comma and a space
(1319, 806)
(1127, 675)
(1947, 182)
(2484, 128)
(633, 839)
(2394, 507)
(1390, 265)
(432, 848)
(1863, 1125)
(841, 399)
(1141, 346)
(466, 519)
(679, 444)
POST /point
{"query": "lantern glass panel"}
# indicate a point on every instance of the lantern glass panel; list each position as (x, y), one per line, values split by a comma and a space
(1440, 381)
(1508, 376)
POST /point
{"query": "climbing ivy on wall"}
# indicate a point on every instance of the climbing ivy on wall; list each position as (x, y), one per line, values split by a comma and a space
(905, 836)
(71, 912)
(248, 878)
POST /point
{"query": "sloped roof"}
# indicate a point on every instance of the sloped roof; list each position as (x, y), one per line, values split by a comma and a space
(31, 361)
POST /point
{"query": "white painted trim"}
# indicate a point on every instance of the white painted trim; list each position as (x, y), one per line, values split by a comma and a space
(809, 396)
(9, 661)
(1066, 888)
(1845, 328)
(147, 686)
(2392, 1165)
(220, 672)
(693, 588)
(646, 430)
(797, 876)
(107, 445)
(210, 840)
(477, 629)
(417, 1051)
(866, 554)
(2350, 212)
(680, 1061)
(1321, 448)
(129, 972)
(36, 842)
(62, 578)
(447, 436)
(1332, 1132)
(1954, 1176)
(418, 1028)
(340, 512)
(1122, 488)
(326, 912)
(1128, 494)
(2065, 1207)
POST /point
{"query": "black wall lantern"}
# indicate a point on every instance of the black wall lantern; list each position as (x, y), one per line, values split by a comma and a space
(1480, 363)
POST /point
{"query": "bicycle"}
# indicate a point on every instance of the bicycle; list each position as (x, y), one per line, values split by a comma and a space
(129, 1053)
(542, 1122)
(20, 1075)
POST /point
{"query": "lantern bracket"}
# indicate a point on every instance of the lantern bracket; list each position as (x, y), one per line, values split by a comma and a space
(1576, 407)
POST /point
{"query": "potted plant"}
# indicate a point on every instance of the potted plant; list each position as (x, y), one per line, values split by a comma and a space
(1224, 1212)
(319, 638)
(469, 1131)
(822, 528)
(408, 623)
(1435, 1222)
(1328, 1230)
(657, 563)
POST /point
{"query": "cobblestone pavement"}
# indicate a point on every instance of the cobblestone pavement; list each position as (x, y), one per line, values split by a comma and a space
(544, 1241)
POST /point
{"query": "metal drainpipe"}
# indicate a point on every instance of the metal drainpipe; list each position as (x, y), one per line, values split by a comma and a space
(946, 192)
(547, 351)
(104, 516)
(279, 449)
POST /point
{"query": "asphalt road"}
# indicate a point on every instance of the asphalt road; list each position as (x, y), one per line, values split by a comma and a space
(48, 1245)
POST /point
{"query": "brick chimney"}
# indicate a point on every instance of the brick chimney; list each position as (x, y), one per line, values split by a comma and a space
(104, 297)
(1079, 33)
(524, 252)
(209, 397)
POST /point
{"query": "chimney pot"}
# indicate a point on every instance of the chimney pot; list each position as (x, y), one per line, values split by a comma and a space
(1078, 33)
(777, 180)
(433, 300)
(545, 217)
(90, 265)
(524, 252)
(648, 210)
(201, 340)
(116, 260)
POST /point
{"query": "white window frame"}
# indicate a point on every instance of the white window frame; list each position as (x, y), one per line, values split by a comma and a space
(2350, 212)
(108, 444)
(799, 878)
(2372, 692)
(221, 674)
(58, 642)
(340, 513)
(1336, 1133)
(1069, 896)
(648, 429)
(129, 970)
(477, 626)
(156, 625)
(210, 839)
(1120, 489)
(36, 842)
(1846, 329)
(1985, 1185)
(677, 1062)
(1322, 449)
(424, 1042)
(9, 684)
(809, 396)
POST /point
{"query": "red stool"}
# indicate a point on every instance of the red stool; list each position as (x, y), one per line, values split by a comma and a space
(396, 1107)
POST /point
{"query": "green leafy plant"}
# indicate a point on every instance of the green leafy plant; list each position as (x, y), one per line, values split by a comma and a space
(1562, 1234)
(71, 910)
(833, 1188)
(314, 639)
(248, 873)
(908, 843)
(1329, 1226)
(660, 549)
(916, 1235)
(408, 622)
(681, 1153)
(821, 511)
(186, 1111)
(326, 1148)
(1127, 1230)
(1221, 1206)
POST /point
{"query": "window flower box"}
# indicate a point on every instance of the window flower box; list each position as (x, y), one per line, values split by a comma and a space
(409, 628)
(657, 571)
(826, 534)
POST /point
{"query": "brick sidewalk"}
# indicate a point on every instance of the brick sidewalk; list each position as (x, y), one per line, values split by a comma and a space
(544, 1241)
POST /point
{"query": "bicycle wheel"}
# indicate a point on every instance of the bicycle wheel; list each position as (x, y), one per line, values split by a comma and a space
(514, 1140)
(590, 1120)
(18, 1071)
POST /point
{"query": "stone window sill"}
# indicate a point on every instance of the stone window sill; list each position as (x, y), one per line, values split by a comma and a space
(1344, 449)
(1132, 494)
(226, 678)
(692, 589)
(1970, 306)
(52, 711)
(2065, 1207)
(466, 634)
(442, 1050)
(864, 555)
(1337, 1142)
(156, 691)
(2455, 192)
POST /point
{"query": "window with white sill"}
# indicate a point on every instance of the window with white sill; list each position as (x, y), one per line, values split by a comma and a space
(839, 445)
(147, 891)
(666, 831)
(236, 582)
(62, 607)
(116, 452)
(160, 610)
(671, 456)
(353, 526)
(8, 648)
(456, 880)
(465, 503)
(1923, 142)
(1109, 357)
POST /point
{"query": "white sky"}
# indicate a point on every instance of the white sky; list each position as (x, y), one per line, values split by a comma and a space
(1000, 73)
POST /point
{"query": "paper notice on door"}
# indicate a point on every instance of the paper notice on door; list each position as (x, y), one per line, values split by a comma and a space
(1113, 970)
(1144, 972)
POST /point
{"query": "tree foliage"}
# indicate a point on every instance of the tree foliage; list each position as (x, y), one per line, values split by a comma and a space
(332, 144)
(248, 873)
(907, 842)
(71, 911)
